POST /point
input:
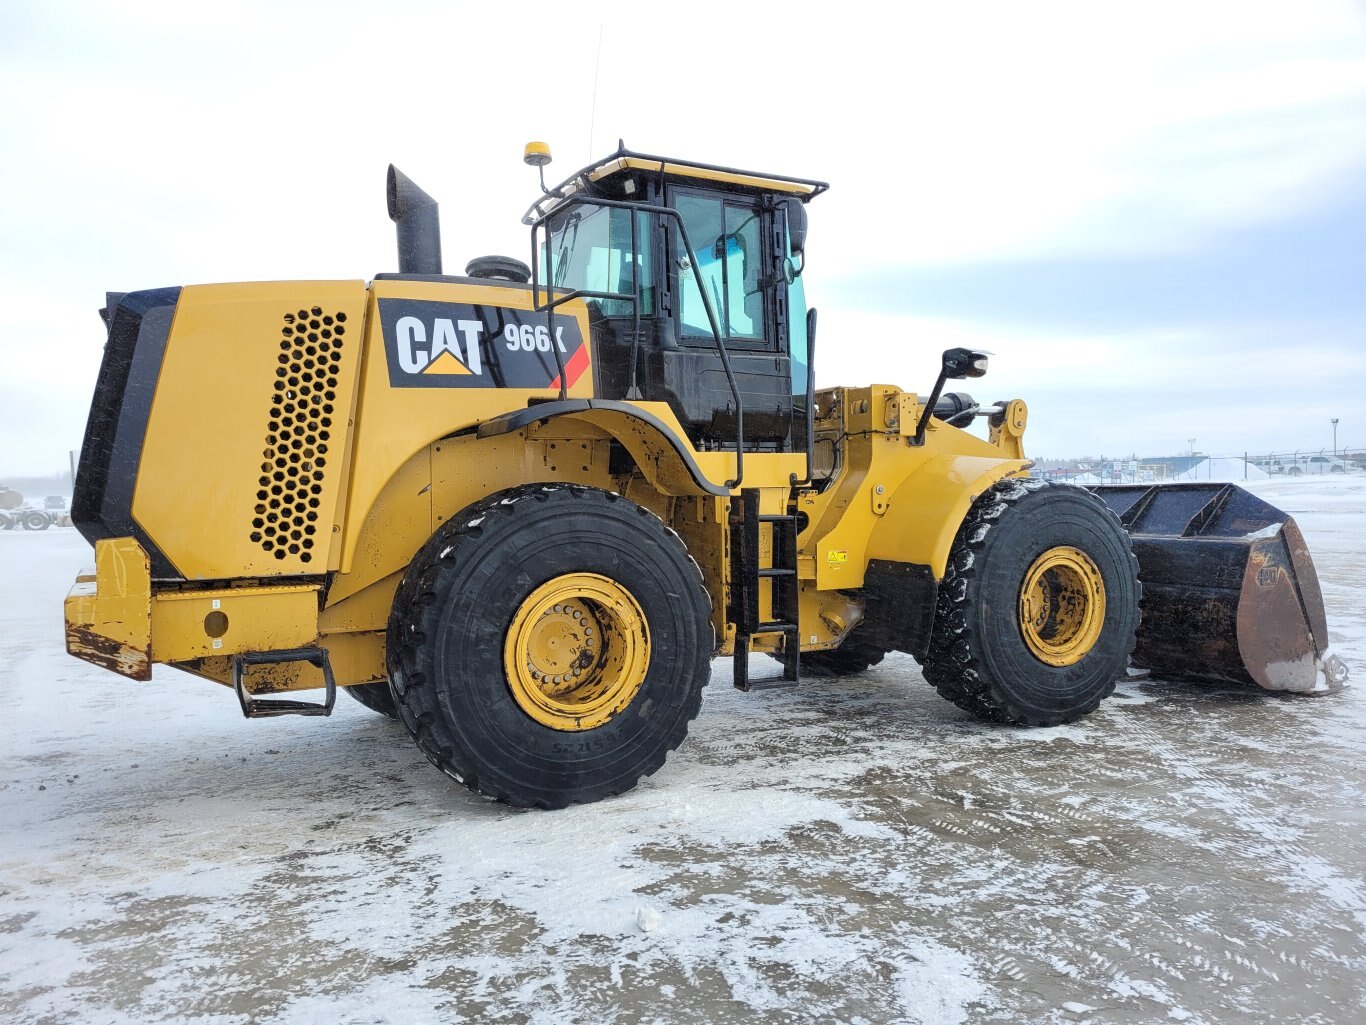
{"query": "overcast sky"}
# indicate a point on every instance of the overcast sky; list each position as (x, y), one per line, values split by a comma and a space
(1153, 214)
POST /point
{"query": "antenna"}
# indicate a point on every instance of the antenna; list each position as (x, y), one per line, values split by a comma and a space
(593, 116)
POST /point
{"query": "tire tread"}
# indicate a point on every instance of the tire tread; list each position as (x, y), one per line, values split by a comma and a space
(952, 666)
(412, 621)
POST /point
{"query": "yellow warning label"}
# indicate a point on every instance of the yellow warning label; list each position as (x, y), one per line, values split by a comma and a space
(835, 557)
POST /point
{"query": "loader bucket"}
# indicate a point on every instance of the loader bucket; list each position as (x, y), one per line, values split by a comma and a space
(1229, 591)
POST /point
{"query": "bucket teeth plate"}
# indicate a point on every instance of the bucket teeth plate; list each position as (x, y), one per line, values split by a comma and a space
(1230, 594)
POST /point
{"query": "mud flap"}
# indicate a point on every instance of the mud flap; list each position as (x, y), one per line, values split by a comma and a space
(1230, 594)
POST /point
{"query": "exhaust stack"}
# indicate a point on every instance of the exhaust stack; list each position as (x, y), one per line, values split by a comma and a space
(418, 225)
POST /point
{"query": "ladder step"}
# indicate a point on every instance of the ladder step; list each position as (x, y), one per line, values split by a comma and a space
(783, 591)
(790, 676)
(259, 708)
(770, 683)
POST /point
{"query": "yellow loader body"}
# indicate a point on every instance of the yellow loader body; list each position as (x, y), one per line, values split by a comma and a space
(522, 509)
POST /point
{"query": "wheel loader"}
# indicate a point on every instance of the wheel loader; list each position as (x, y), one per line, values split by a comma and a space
(522, 509)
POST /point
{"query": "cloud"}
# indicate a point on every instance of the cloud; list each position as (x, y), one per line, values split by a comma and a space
(1119, 391)
(1292, 276)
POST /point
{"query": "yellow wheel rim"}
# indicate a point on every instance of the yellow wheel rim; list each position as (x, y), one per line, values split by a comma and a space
(1062, 606)
(577, 651)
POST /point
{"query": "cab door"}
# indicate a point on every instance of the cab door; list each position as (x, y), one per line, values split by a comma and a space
(735, 261)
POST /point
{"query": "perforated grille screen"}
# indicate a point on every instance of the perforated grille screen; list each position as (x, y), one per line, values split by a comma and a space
(298, 434)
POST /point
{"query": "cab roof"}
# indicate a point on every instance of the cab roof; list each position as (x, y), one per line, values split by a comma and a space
(624, 162)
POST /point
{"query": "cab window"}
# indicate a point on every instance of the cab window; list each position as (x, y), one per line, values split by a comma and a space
(589, 248)
(796, 324)
(726, 241)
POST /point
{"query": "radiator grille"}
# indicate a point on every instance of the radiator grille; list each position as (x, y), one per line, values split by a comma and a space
(298, 434)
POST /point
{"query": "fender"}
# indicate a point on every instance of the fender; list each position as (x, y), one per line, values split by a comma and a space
(484, 456)
(926, 510)
(647, 437)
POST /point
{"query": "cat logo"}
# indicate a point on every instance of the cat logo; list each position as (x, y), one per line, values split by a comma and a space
(445, 354)
(432, 344)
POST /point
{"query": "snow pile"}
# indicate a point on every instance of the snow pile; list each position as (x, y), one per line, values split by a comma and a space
(1219, 468)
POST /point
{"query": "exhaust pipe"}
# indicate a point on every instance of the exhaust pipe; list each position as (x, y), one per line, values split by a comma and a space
(418, 225)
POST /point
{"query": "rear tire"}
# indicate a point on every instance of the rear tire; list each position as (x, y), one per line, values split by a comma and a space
(851, 657)
(1039, 606)
(549, 646)
(375, 696)
(35, 519)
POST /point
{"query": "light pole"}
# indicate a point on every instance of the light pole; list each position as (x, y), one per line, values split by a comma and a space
(1191, 443)
(1335, 437)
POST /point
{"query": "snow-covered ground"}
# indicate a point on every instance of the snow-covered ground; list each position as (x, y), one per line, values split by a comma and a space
(855, 851)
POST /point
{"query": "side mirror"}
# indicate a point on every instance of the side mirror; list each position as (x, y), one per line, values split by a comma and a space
(796, 225)
(957, 364)
(962, 363)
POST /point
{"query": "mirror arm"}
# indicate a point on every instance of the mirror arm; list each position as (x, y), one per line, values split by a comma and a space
(928, 411)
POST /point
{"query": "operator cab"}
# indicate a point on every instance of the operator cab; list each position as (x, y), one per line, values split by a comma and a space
(692, 277)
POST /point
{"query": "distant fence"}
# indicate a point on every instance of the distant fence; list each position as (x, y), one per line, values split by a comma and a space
(1194, 466)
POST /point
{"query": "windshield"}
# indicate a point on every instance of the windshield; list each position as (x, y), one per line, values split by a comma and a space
(589, 248)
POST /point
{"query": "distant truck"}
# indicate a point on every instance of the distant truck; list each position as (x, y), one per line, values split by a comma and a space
(13, 512)
(1297, 465)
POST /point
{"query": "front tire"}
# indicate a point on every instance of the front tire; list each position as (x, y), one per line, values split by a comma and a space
(549, 646)
(1039, 606)
(35, 519)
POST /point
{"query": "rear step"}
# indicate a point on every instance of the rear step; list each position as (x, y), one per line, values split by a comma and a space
(1230, 594)
(746, 577)
(262, 708)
